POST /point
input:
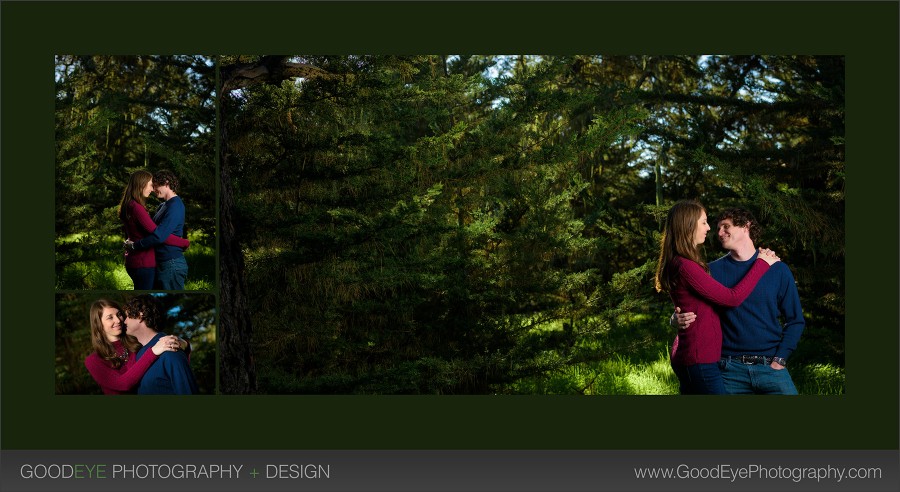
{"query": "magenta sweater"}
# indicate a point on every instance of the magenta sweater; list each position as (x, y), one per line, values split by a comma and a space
(696, 291)
(140, 226)
(123, 380)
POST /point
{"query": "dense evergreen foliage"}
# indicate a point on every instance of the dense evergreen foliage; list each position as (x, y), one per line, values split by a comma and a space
(117, 114)
(486, 224)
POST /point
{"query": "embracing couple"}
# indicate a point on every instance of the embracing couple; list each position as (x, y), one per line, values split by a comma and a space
(739, 317)
(130, 354)
(154, 248)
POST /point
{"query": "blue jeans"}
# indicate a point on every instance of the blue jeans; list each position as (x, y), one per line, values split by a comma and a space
(755, 379)
(171, 274)
(699, 379)
(142, 278)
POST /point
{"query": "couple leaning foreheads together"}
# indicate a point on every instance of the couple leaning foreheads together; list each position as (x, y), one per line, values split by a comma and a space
(154, 247)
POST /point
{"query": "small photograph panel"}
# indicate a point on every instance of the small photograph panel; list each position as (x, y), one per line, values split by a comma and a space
(135, 172)
(143, 344)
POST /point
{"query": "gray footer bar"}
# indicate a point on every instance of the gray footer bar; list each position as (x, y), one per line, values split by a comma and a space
(449, 470)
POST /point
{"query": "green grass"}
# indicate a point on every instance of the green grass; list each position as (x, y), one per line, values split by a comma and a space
(621, 376)
(106, 270)
(818, 379)
(617, 376)
(632, 358)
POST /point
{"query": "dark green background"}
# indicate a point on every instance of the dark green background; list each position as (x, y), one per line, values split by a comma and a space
(865, 418)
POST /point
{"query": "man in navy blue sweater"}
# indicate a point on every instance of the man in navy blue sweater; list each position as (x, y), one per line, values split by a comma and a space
(759, 335)
(171, 267)
(171, 374)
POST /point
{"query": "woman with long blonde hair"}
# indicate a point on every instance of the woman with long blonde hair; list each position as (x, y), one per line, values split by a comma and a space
(682, 272)
(137, 224)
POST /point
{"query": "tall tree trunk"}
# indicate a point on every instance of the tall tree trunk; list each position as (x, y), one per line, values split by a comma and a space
(237, 371)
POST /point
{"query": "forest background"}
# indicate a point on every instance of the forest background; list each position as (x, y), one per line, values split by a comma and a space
(490, 224)
(115, 115)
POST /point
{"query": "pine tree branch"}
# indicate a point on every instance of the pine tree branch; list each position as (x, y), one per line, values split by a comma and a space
(270, 69)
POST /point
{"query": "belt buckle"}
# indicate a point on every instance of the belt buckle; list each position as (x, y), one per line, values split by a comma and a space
(750, 359)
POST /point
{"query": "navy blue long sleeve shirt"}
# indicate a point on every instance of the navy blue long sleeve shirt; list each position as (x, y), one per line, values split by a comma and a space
(169, 220)
(170, 375)
(769, 322)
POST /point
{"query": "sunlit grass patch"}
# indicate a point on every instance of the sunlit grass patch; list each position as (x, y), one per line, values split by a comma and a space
(615, 376)
(122, 279)
(104, 266)
(98, 275)
(648, 383)
(198, 285)
(626, 377)
(818, 379)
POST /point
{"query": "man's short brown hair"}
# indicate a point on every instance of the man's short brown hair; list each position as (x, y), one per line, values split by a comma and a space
(741, 217)
(145, 308)
(165, 177)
